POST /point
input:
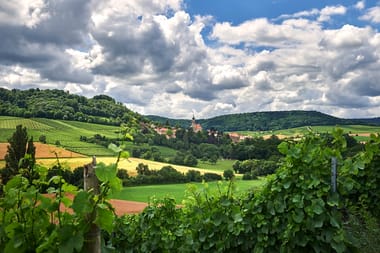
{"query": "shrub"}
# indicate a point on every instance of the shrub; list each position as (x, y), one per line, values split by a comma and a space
(228, 174)
(208, 176)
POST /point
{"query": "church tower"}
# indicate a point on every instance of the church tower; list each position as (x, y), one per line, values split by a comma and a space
(196, 127)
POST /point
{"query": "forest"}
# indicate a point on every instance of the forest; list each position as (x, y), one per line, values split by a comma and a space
(58, 104)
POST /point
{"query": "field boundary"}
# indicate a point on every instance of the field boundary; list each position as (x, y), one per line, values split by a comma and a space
(44, 151)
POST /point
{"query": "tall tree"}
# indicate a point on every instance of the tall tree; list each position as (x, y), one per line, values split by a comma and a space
(16, 148)
(19, 145)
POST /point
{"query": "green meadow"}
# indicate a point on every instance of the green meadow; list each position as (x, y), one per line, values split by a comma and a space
(219, 166)
(180, 191)
(359, 132)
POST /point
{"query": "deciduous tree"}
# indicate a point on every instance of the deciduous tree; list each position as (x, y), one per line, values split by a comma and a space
(17, 148)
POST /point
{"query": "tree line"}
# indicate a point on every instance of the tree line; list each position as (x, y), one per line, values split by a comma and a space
(59, 104)
(264, 121)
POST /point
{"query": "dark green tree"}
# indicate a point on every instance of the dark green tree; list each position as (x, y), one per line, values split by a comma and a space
(228, 174)
(18, 147)
(42, 139)
(29, 160)
(143, 169)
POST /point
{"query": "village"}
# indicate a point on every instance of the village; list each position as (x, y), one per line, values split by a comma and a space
(170, 132)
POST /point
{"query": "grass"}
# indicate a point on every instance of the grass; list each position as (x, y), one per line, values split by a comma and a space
(178, 191)
(359, 132)
(219, 166)
(66, 132)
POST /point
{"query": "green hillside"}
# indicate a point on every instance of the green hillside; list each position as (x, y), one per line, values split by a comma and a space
(59, 104)
(264, 121)
(66, 132)
(359, 132)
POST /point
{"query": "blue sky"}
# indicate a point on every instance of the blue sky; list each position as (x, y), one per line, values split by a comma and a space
(242, 10)
(178, 57)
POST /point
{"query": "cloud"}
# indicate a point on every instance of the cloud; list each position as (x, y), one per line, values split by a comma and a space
(360, 5)
(323, 15)
(35, 35)
(372, 15)
(327, 12)
(156, 58)
(27, 13)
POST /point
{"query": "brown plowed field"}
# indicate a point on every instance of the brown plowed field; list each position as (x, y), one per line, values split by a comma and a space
(121, 206)
(127, 207)
(43, 151)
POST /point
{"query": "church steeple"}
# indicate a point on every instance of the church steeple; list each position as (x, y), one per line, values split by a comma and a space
(196, 127)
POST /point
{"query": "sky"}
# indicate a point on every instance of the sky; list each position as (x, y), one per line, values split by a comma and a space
(176, 58)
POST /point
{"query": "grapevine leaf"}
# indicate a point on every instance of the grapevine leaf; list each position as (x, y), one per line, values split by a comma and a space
(114, 148)
(318, 206)
(81, 203)
(298, 216)
(104, 219)
(124, 154)
(115, 185)
(14, 183)
(334, 222)
(69, 188)
(238, 218)
(333, 200)
(318, 222)
(283, 148)
(106, 173)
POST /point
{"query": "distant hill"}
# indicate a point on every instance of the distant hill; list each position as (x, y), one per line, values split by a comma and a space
(59, 104)
(183, 123)
(102, 109)
(262, 121)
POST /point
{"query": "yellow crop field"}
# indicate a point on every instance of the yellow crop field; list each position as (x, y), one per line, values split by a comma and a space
(127, 164)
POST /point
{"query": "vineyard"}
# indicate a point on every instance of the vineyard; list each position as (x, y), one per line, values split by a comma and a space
(297, 210)
(67, 133)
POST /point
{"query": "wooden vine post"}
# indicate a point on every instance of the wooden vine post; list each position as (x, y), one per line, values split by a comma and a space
(91, 183)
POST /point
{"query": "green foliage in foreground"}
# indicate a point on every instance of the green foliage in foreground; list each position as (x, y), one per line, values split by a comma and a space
(296, 210)
(34, 222)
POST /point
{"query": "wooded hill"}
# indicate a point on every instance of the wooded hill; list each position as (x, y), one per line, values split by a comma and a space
(263, 121)
(58, 104)
(102, 109)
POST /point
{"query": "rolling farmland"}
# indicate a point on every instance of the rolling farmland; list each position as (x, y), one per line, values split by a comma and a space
(359, 132)
(66, 132)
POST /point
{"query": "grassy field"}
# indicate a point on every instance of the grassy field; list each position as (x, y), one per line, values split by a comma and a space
(178, 191)
(360, 132)
(66, 132)
(219, 166)
(166, 152)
